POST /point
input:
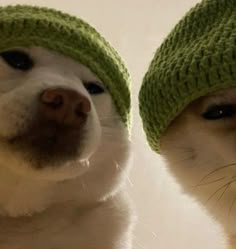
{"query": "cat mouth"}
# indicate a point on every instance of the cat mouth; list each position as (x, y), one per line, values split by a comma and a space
(47, 144)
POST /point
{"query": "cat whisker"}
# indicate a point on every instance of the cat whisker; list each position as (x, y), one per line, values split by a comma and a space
(216, 170)
(226, 186)
(206, 183)
(231, 207)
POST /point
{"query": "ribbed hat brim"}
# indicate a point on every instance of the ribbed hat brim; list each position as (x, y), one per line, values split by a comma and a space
(197, 58)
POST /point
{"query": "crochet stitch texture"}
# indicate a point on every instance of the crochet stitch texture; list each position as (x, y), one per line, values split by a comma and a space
(197, 58)
(25, 26)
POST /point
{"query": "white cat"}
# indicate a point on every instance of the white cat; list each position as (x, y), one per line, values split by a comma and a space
(200, 149)
(63, 156)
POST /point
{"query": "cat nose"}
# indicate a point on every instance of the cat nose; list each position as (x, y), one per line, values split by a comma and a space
(64, 106)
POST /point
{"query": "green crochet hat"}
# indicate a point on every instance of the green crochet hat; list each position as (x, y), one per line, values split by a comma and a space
(197, 58)
(26, 26)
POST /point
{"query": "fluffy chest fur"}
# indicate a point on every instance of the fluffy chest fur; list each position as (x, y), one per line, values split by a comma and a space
(69, 214)
(68, 226)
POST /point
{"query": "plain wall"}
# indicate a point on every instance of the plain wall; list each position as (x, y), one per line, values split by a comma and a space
(166, 218)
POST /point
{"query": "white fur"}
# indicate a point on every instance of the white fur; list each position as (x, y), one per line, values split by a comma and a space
(76, 205)
(202, 156)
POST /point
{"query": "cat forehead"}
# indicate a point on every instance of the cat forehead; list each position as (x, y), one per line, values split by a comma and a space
(224, 96)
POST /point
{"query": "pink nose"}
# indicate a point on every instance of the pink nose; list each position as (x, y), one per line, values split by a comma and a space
(64, 107)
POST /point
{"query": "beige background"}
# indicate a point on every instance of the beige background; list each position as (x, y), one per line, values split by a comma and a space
(167, 218)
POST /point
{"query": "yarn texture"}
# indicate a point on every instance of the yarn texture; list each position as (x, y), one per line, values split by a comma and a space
(26, 26)
(197, 58)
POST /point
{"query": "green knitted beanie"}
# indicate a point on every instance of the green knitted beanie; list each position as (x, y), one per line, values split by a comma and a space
(27, 26)
(197, 58)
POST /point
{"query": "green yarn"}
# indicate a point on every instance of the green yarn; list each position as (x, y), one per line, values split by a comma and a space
(197, 58)
(25, 26)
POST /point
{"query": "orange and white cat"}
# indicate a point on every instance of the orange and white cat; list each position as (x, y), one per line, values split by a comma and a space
(200, 149)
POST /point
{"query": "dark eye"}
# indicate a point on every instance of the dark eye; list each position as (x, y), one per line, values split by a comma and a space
(220, 112)
(93, 88)
(17, 59)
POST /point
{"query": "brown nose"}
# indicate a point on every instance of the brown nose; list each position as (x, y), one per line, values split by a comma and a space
(64, 107)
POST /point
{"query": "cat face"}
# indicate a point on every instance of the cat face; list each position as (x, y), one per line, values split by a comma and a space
(57, 118)
(200, 150)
